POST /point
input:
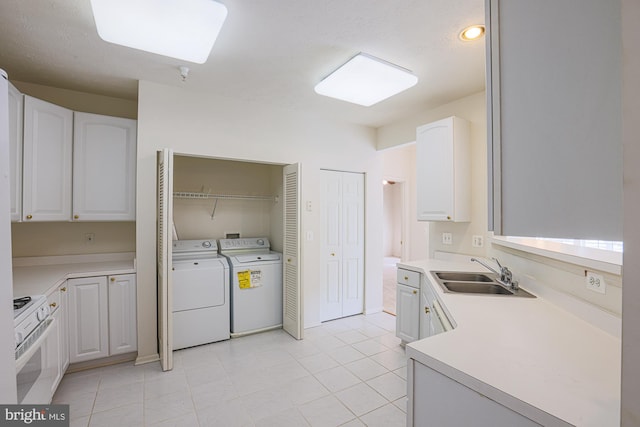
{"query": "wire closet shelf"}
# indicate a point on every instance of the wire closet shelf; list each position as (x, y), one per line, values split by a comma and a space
(217, 197)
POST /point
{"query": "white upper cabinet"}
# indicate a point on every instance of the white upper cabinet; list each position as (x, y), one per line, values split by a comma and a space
(555, 118)
(444, 171)
(104, 173)
(16, 106)
(46, 191)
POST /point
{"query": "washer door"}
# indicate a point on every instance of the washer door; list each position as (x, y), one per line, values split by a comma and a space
(198, 284)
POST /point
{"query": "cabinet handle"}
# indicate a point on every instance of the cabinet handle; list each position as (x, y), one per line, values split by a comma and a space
(76, 216)
(113, 279)
(406, 277)
(53, 304)
(29, 216)
(415, 292)
(426, 310)
(288, 259)
(63, 289)
(448, 217)
(333, 254)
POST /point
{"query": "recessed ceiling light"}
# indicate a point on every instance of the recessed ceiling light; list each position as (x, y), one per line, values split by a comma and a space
(473, 32)
(366, 80)
(182, 29)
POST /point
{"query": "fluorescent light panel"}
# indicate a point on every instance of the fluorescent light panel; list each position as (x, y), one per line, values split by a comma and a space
(366, 80)
(182, 29)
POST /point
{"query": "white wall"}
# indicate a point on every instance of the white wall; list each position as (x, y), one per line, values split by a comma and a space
(630, 413)
(205, 125)
(392, 214)
(399, 164)
(473, 109)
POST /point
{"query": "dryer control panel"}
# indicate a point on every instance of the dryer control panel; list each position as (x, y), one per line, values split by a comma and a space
(243, 244)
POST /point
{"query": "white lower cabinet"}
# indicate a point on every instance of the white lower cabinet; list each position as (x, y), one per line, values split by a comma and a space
(96, 306)
(57, 351)
(123, 337)
(437, 400)
(407, 305)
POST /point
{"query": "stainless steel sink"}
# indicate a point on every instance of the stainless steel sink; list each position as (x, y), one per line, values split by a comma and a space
(463, 276)
(477, 288)
(463, 282)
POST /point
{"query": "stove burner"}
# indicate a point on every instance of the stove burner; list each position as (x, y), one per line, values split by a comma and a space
(18, 303)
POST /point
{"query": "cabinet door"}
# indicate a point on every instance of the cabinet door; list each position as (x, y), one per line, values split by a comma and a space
(426, 325)
(16, 107)
(63, 315)
(104, 168)
(53, 366)
(122, 314)
(443, 171)
(46, 192)
(88, 318)
(407, 315)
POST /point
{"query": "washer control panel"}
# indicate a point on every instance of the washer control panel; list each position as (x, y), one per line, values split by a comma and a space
(194, 245)
(248, 243)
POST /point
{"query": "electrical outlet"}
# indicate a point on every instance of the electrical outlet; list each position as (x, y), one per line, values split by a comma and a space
(477, 241)
(595, 282)
(89, 238)
(447, 238)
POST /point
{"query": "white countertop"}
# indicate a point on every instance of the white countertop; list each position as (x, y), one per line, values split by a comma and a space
(39, 279)
(524, 353)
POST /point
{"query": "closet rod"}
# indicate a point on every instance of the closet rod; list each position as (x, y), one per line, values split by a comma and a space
(190, 195)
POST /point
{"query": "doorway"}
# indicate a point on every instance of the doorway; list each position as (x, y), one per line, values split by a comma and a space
(392, 202)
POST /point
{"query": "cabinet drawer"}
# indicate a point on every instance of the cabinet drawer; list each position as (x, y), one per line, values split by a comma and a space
(409, 278)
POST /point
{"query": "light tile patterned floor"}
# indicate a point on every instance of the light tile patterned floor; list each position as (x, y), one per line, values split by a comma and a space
(349, 372)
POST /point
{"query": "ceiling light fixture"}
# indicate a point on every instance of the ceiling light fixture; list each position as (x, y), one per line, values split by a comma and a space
(473, 32)
(366, 80)
(182, 29)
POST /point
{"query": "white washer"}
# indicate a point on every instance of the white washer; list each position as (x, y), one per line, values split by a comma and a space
(256, 285)
(200, 294)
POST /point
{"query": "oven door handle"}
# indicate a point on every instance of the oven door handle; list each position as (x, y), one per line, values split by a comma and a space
(24, 358)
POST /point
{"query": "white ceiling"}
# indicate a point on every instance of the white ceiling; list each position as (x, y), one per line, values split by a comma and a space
(269, 51)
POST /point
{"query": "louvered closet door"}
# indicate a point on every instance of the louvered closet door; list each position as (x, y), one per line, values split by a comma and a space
(165, 216)
(292, 291)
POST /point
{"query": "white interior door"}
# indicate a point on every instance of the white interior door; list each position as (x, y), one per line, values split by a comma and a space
(342, 272)
(291, 273)
(165, 215)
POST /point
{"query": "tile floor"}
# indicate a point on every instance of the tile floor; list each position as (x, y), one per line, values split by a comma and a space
(347, 372)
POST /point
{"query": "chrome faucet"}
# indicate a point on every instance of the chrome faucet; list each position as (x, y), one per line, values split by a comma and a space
(506, 277)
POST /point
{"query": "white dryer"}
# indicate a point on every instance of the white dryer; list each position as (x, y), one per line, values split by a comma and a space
(256, 284)
(200, 296)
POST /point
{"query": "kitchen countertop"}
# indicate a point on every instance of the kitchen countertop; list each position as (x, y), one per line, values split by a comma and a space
(39, 279)
(524, 353)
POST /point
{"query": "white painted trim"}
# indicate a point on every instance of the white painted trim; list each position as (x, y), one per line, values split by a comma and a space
(73, 259)
(597, 259)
